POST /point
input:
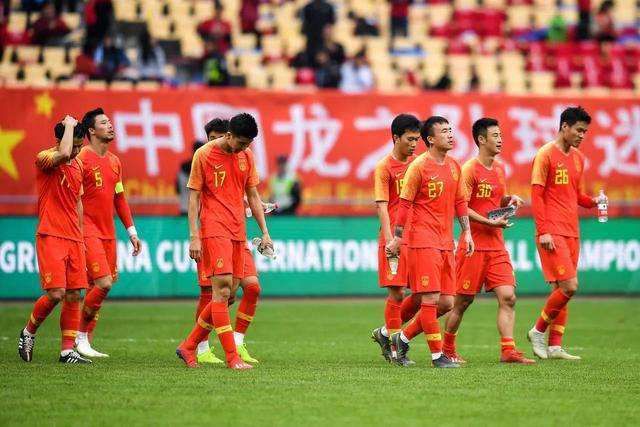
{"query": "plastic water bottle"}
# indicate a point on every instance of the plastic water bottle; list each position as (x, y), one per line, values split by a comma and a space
(268, 251)
(603, 204)
(268, 208)
(393, 264)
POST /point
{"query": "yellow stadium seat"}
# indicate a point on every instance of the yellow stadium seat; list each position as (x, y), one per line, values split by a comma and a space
(68, 84)
(465, 4)
(121, 85)
(515, 85)
(257, 78)
(244, 41)
(283, 78)
(72, 20)
(518, 16)
(439, 14)
(542, 83)
(28, 54)
(53, 56)
(17, 22)
(272, 46)
(95, 85)
(147, 85)
(636, 83)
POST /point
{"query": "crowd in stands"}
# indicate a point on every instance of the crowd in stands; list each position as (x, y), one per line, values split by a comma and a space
(515, 46)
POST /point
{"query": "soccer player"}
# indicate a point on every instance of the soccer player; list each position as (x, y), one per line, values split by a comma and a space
(103, 191)
(223, 171)
(59, 245)
(483, 179)
(249, 283)
(388, 182)
(557, 189)
(432, 188)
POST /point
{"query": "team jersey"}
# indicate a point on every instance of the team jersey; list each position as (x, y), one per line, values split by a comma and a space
(102, 180)
(59, 190)
(435, 190)
(388, 183)
(484, 190)
(561, 175)
(222, 179)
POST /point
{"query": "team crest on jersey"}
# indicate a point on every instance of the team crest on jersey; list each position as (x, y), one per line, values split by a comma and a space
(95, 267)
(242, 164)
(219, 263)
(454, 173)
(424, 280)
(466, 284)
(47, 278)
(561, 269)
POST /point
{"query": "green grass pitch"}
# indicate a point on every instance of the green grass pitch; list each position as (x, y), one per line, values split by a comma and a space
(319, 367)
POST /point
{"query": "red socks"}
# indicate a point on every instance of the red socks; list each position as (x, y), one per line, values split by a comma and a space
(430, 326)
(392, 319)
(409, 307)
(201, 329)
(555, 303)
(205, 298)
(413, 328)
(507, 343)
(222, 323)
(449, 345)
(93, 301)
(41, 309)
(247, 307)
(69, 322)
(557, 327)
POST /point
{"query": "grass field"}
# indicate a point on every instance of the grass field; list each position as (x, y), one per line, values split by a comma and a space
(319, 367)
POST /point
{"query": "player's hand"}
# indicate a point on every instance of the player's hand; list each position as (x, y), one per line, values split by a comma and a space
(515, 200)
(195, 249)
(546, 241)
(468, 240)
(137, 246)
(266, 242)
(393, 247)
(69, 121)
(501, 222)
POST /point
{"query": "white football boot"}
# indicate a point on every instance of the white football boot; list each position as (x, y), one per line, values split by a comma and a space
(83, 346)
(557, 352)
(538, 342)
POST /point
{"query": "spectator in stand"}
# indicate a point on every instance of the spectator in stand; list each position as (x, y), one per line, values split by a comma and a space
(327, 71)
(605, 27)
(444, 83)
(214, 65)
(356, 74)
(48, 28)
(111, 59)
(334, 49)
(85, 66)
(4, 33)
(557, 32)
(400, 17)
(151, 58)
(365, 25)
(316, 15)
(249, 18)
(183, 178)
(98, 17)
(583, 30)
(72, 6)
(284, 187)
(216, 30)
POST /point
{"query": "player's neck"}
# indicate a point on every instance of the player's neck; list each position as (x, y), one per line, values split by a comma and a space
(437, 155)
(564, 146)
(224, 146)
(99, 147)
(397, 154)
(486, 160)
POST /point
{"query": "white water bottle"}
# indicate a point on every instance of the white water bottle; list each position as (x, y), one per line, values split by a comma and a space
(603, 205)
(393, 264)
(267, 251)
(268, 208)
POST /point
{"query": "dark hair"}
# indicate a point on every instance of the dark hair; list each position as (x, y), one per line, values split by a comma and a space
(573, 115)
(89, 119)
(606, 6)
(404, 123)
(481, 126)
(217, 125)
(78, 131)
(427, 126)
(243, 125)
(197, 144)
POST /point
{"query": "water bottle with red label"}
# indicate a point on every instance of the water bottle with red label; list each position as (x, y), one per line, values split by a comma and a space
(603, 205)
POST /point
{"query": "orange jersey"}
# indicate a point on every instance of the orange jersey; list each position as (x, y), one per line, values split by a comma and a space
(222, 179)
(102, 179)
(434, 190)
(484, 190)
(388, 183)
(59, 190)
(561, 175)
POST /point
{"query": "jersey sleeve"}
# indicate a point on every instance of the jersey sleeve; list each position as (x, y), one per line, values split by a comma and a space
(381, 183)
(467, 178)
(196, 178)
(44, 160)
(119, 185)
(253, 179)
(540, 169)
(413, 180)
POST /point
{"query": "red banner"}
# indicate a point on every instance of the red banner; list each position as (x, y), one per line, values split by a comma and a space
(333, 140)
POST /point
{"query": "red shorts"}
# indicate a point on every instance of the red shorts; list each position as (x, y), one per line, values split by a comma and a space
(221, 256)
(101, 258)
(484, 268)
(61, 263)
(431, 270)
(561, 263)
(385, 278)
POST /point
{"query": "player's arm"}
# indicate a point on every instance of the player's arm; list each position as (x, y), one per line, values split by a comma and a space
(413, 181)
(195, 185)
(538, 185)
(80, 210)
(462, 212)
(124, 213)
(381, 190)
(257, 209)
(584, 199)
(62, 153)
(501, 222)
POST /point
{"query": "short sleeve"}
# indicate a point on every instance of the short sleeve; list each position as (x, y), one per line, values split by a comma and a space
(412, 181)
(467, 177)
(44, 160)
(540, 169)
(381, 183)
(197, 167)
(119, 185)
(254, 178)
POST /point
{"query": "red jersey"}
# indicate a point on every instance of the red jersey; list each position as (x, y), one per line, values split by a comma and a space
(434, 189)
(484, 190)
(388, 183)
(59, 190)
(222, 179)
(102, 180)
(561, 175)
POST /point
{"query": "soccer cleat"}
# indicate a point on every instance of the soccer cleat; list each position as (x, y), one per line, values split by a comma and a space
(25, 346)
(538, 343)
(402, 348)
(238, 364)
(244, 354)
(454, 357)
(444, 362)
(187, 356)
(560, 353)
(515, 356)
(383, 342)
(208, 357)
(73, 357)
(83, 346)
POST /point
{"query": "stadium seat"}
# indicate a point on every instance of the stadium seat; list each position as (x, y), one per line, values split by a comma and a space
(121, 85)
(542, 82)
(95, 85)
(147, 85)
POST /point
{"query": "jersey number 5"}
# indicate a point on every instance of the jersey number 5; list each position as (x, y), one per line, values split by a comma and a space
(218, 178)
(98, 177)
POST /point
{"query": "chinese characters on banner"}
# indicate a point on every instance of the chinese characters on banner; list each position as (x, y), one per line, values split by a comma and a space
(333, 140)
